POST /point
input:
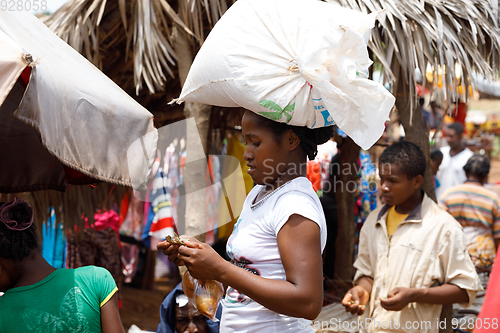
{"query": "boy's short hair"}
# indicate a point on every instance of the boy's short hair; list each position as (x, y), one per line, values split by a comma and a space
(407, 155)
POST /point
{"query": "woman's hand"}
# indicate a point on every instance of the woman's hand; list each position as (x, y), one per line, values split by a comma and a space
(171, 251)
(201, 260)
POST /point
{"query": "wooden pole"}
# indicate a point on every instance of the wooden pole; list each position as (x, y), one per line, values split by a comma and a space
(344, 191)
(415, 131)
(194, 174)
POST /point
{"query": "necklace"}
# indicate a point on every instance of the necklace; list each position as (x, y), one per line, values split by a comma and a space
(261, 201)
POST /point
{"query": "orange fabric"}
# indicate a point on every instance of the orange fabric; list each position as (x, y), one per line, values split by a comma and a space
(124, 207)
(314, 174)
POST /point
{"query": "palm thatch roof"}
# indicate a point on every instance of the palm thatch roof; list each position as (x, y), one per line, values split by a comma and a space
(131, 42)
(455, 37)
(125, 36)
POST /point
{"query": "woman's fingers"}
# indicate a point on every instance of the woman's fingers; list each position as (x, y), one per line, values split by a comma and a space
(162, 245)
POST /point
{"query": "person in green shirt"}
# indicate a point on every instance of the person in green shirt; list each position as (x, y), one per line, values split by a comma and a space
(39, 298)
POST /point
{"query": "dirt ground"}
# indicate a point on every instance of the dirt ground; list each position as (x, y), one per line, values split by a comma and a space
(142, 307)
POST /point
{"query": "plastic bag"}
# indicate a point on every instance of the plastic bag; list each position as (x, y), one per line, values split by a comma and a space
(303, 62)
(204, 295)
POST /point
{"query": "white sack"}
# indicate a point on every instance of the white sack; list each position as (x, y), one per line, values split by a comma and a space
(84, 119)
(303, 62)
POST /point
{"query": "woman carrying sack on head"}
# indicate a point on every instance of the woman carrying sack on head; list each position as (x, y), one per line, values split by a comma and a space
(298, 67)
(275, 274)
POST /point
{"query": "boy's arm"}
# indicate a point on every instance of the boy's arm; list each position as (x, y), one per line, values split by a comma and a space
(398, 298)
(357, 297)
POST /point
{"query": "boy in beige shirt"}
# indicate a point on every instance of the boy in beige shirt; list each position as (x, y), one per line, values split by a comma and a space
(412, 254)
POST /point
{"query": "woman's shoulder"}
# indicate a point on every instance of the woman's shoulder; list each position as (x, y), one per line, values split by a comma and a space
(299, 187)
(92, 271)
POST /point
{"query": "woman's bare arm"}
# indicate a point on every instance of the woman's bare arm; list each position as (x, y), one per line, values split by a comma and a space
(110, 317)
(300, 295)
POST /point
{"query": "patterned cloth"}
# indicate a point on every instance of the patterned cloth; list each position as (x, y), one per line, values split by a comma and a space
(477, 209)
(99, 248)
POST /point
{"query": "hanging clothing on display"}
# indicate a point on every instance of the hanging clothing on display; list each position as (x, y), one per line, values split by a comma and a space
(213, 196)
(235, 148)
(132, 224)
(131, 227)
(367, 189)
(314, 175)
(97, 245)
(162, 223)
(54, 242)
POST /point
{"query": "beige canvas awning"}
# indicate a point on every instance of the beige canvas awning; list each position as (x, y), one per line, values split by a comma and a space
(82, 117)
(12, 63)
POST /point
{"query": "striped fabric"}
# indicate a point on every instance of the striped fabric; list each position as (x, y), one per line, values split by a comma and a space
(473, 205)
(477, 209)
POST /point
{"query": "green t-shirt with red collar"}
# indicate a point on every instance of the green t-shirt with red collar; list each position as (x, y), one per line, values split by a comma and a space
(68, 300)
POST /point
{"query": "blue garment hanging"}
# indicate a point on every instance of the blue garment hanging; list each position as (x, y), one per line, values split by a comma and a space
(54, 242)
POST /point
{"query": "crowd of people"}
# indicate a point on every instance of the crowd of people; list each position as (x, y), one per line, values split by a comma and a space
(303, 82)
(414, 254)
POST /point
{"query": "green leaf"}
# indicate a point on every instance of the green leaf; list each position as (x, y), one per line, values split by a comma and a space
(289, 108)
(277, 115)
(270, 105)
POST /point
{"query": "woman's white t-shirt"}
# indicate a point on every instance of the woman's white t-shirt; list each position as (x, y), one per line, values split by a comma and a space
(253, 246)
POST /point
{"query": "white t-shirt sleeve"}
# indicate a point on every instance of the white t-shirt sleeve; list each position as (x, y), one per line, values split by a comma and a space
(299, 203)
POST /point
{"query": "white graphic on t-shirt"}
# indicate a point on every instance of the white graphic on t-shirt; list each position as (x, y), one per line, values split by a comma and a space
(69, 318)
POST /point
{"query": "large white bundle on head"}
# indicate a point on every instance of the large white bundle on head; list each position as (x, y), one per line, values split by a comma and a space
(303, 62)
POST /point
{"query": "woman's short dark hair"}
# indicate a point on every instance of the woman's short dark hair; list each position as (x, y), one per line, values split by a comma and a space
(309, 138)
(408, 156)
(477, 165)
(15, 244)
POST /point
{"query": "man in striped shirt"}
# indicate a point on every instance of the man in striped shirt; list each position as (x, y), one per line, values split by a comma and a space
(477, 209)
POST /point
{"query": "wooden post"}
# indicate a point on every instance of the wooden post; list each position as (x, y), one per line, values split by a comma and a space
(194, 175)
(344, 191)
(415, 131)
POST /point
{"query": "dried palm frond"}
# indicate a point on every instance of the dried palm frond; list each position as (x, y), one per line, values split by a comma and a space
(146, 25)
(455, 36)
(458, 37)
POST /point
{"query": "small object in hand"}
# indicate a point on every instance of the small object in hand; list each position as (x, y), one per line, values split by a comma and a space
(175, 240)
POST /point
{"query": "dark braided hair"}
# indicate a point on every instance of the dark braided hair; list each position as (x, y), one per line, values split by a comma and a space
(407, 155)
(14, 244)
(309, 138)
(477, 165)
